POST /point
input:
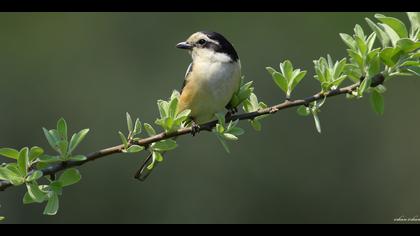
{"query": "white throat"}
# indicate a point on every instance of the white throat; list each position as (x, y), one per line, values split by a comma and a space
(209, 56)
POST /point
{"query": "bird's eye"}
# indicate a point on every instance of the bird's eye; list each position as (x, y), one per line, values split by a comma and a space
(201, 41)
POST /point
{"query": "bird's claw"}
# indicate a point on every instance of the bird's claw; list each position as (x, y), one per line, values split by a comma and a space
(195, 129)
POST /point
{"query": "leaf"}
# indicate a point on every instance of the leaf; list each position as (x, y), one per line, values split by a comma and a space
(164, 145)
(23, 161)
(222, 141)
(27, 199)
(286, 69)
(230, 136)
(408, 45)
(123, 139)
(173, 106)
(377, 102)
(183, 114)
(7, 174)
(63, 148)
(62, 128)
(256, 125)
(357, 58)
(157, 156)
(35, 152)
(137, 127)
(303, 111)
(362, 46)
(317, 122)
(34, 176)
(414, 18)
(358, 30)
(78, 158)
(397, 25)
(149, 129)
(35, 193)
(278, 78)
(221, 118)
(297, 79)
(236, 131)
(390, 56)
(129, 123)
(348, 40)
(52, 205)
(50, 138)
(163, 108)
(9, 152)
(76, 139)
(219, 128)
(374, 66)
(393, 36)
(135, 148)
(383, 37)
(48, 158)
(69, 177)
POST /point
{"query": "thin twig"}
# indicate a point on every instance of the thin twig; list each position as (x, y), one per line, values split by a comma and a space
(379, 79)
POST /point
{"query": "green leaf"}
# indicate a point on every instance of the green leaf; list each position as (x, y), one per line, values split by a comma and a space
(278, 78)
(317, 122)
(135, 148)
(2, 218)
(63, 148)
(129, 122)
(348, 40)
(296, 80)
(137, 127)
(236, 131)
(414, 18)
(183, 114)
(219, 128)
(76, 139)
(393, 36)
(358, 30)
(62, 128)
(408, 45)
(390, 56)
(34, 176)
(13, 177)
(173, 106)
(357, 58)
(149, 129)
(123, 139)
(35, 193)
(78, 158)
(164, 145)
(35, 152)
(50, 138)
(383, 37)
(163, 108)
(374, 66)
(397, 25)
(157, 156)
(377, 102)
(222, 141)
(175, 94)
(256, 125)
(69, 177)
(52, 205)
(9, 152)
(230, 137)
(56, 186)
(303, 111)
(27, 199)
(23, 160)
(286, 69)
(362, 46)
(48, 158)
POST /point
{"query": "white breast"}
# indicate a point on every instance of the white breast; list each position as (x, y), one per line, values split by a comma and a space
(218, 78)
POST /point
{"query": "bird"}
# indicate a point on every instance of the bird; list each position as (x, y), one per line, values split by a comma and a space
(211, 80)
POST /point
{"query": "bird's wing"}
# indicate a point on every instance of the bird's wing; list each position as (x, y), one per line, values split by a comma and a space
(189, 69)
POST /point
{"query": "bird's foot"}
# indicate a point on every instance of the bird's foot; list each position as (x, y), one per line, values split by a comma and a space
(195, 128)
(231, 111)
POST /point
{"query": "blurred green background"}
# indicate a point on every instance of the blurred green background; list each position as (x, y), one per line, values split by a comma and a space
(93, 67)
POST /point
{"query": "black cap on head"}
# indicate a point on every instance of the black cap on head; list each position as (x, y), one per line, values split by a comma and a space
(224, 45)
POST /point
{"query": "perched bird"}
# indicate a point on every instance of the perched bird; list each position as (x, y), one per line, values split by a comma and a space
(210, 81)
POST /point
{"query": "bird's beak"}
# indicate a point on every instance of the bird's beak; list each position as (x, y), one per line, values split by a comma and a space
(184, 45)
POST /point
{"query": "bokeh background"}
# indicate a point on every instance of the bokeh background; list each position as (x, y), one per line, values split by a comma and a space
(91, 68)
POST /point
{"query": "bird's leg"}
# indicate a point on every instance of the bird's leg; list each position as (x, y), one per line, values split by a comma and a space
(195, 128)
(231, 111)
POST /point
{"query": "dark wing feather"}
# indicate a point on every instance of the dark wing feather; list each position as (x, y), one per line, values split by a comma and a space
(190, 68)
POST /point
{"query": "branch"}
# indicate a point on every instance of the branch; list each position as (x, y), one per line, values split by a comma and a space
(51, 170)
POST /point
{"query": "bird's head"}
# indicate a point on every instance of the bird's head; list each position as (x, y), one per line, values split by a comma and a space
(209, 46)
